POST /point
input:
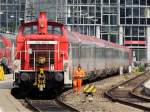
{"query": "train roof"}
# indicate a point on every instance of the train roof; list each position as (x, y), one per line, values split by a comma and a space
(76, 37)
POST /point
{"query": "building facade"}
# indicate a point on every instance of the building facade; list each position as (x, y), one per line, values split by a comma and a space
(11, 13)
(121, 21)
(126, 22)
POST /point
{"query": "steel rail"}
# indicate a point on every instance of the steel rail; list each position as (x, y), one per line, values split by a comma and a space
(139, 93)
(122, 92)
(49, 105)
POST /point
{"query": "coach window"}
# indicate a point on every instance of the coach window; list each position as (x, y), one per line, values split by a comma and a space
(74, 54)
(83, 52)
(1, 44)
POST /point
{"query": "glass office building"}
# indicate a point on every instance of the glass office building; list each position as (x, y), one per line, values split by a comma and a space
(121, 21)
(126, 22)
(11, 13)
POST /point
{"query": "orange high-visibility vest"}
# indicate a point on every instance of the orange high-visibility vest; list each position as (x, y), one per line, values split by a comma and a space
(79, 73)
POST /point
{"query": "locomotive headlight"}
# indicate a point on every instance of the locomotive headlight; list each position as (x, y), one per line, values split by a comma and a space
(41, 60)
(24, 76)
(59, 77)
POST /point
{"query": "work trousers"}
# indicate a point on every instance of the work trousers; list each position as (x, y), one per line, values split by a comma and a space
(77, 84)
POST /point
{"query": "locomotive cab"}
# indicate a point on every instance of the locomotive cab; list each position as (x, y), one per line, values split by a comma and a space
(42, 57)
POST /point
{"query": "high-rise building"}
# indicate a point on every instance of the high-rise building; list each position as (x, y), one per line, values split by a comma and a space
(126, 22)
(11, 13)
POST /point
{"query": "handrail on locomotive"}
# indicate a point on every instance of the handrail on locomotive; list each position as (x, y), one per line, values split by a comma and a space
(35, 60)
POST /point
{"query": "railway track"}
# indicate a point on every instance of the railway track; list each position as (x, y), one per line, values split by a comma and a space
(124, 92)
(139, 93)
(54, 104)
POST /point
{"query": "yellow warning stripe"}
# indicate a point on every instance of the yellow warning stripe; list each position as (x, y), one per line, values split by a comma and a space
(86, 87)
(89, 88)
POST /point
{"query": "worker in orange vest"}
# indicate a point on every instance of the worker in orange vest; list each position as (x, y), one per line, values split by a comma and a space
(78, 75)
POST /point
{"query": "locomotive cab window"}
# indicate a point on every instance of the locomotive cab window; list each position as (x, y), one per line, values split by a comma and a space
(54, 30)
(30, 30)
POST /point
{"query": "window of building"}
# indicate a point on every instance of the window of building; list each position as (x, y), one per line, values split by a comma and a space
(98, 11)
(141, 31)
(141, 38)
(142, 12)
(106, 10)
(134, 38)
(83, 1)
(84, 9)
(22, 7)
(113, 38)
(98, 21)
(113, 29)
(91, 11)
(122, 2)
(105, 37)
(129, 12)
(122, 12)
(135, 2)
(75, 1)
(97, 1)
(142, 21)
(105, 19)
(3, 7)
(3, 17)
(129, 2)
(122, 20)
(113, 1)
(10, 1)
(113, 19)
(148, 2)
(98, 14)
(127, 38)
(106, 1)
(3, 1)
(143, 2)
(127, 30)
(134, 30)
(148, 21)
(128, 20)
(135, 11)
(3, 24)
(23, 1)
(135, 20)
(113, 10)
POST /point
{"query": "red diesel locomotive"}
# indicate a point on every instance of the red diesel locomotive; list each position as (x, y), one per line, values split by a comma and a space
(47, 53)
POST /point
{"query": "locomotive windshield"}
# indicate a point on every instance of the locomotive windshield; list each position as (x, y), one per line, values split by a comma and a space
(34, 30)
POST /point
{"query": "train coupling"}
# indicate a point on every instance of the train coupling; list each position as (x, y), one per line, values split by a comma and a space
(40, 80)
